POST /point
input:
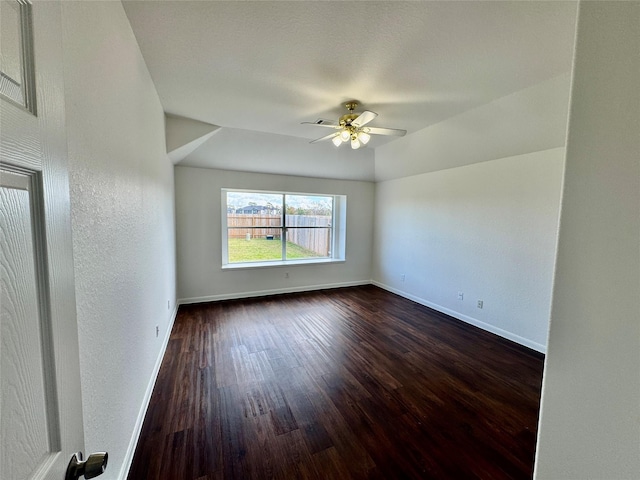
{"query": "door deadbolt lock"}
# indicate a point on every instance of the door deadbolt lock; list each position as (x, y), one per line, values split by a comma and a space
(93, 466)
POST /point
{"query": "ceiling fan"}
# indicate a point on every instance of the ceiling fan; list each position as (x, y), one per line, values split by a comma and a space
(351, 127)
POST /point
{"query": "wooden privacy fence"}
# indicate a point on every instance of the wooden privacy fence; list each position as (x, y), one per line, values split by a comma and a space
(235, 222)
(303, 229)
(317, 240)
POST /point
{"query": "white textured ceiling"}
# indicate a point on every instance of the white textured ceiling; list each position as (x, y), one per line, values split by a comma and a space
(264, 67)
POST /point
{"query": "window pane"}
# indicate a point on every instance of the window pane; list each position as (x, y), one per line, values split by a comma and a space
(263, 208)
(308, 243)
(257, 223)
(255, 248)
(315, 210)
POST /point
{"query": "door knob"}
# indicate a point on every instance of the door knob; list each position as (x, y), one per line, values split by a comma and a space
(93, 466)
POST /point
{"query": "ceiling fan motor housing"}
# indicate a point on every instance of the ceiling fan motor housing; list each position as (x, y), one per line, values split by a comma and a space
(348, 118)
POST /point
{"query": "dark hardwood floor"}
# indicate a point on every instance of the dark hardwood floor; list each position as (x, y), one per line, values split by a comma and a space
(338, 384)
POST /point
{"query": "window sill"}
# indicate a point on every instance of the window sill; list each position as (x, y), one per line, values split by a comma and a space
(280, 263)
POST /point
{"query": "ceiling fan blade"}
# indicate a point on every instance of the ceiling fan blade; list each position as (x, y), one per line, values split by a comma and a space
(326, 137)
(364, 118)
(385, 131)
(322, 123)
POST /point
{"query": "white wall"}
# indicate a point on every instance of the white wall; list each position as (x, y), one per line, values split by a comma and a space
(198, 235)
(590, 414)
(122, 200)
(488, 230)
(530, 120)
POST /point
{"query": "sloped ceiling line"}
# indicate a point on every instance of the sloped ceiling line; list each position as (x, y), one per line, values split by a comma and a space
(184, 135)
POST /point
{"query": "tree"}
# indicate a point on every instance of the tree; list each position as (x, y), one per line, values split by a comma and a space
(270, 208)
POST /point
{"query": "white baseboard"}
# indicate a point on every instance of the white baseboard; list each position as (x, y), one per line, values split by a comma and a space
(276, 291)
(465, 318)
(131, 449)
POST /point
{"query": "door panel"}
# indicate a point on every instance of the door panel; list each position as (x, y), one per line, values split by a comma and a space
(24, 420)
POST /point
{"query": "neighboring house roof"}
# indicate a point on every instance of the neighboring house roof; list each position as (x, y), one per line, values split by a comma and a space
(254, 209)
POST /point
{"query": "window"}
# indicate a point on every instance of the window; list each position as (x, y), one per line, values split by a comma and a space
(274, 228)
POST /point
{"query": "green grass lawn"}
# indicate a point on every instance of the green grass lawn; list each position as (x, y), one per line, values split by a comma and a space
(260, 250)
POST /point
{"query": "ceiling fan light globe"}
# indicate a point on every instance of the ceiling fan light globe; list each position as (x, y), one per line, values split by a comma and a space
(337, 141)
(355, 143)
(345, 135)
(364, 138)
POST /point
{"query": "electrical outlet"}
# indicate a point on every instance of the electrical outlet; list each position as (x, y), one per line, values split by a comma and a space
(460, 296)
(168, 304)
(402, 277)
(480, 303)
(157, 330)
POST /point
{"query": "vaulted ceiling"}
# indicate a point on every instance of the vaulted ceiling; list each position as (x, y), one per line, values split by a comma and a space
(259, 69)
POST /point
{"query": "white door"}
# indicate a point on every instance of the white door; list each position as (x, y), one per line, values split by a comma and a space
(40, 404)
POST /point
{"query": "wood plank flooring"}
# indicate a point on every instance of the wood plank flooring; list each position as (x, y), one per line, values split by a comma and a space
(338, 384)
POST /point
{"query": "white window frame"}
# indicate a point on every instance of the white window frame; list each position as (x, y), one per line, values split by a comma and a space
(338, 231)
